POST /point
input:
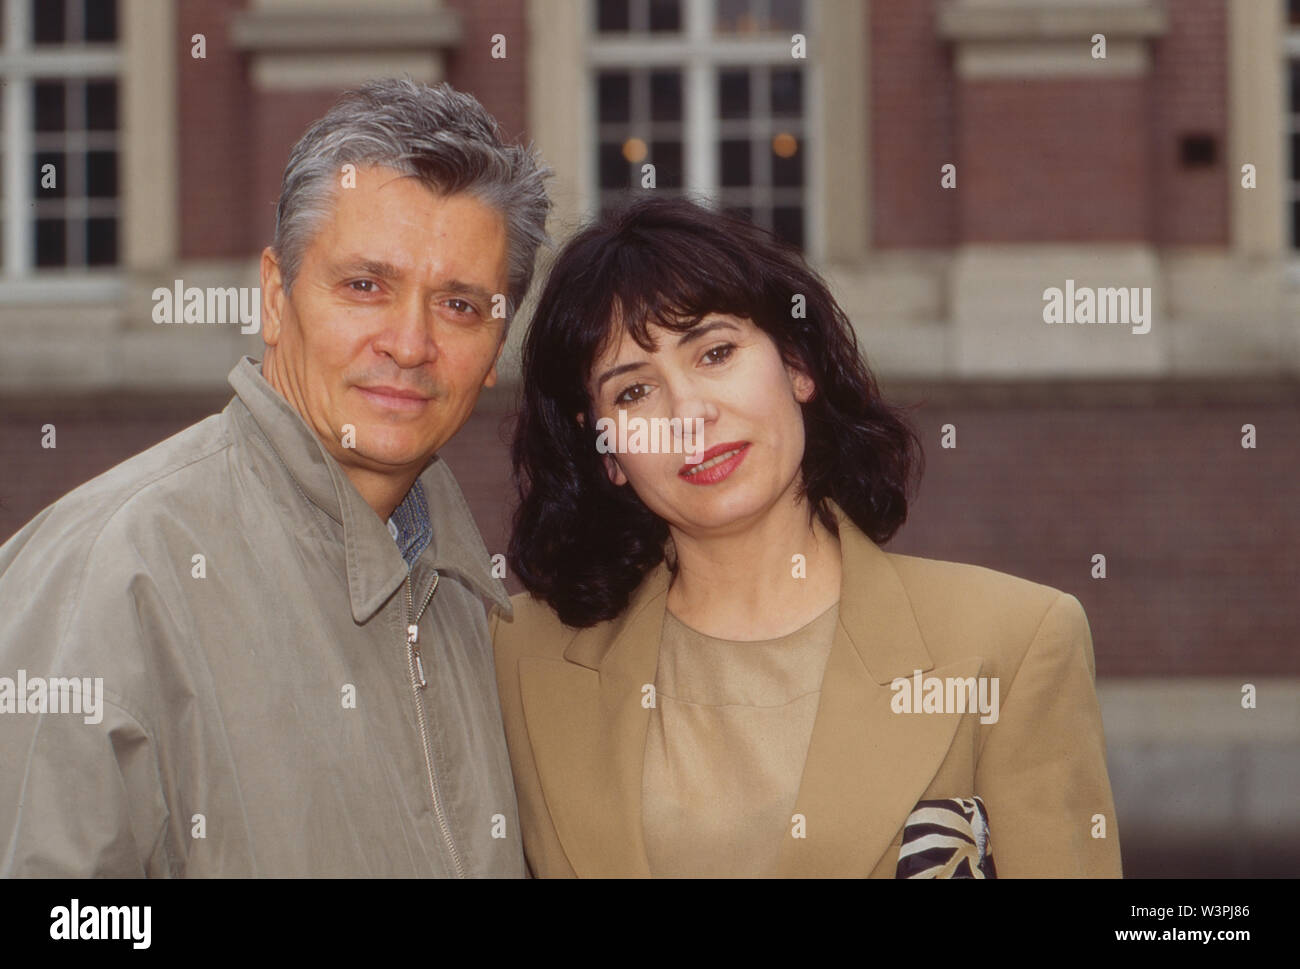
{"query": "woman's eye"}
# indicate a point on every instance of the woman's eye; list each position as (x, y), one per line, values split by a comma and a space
(719, 353)
(631, 394)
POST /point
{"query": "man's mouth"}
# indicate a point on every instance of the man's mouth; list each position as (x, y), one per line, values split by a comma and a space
(395, 398)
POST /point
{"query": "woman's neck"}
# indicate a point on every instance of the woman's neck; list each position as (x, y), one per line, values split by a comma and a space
(760, 583)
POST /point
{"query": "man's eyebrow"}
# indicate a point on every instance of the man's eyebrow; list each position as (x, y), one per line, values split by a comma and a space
(367, 267)
(459, 288)
(695, 333)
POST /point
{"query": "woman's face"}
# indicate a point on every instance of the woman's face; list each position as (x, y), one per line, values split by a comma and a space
(728, 375)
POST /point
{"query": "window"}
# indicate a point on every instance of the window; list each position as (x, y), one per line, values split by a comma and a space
(59, 137)
(711, 94)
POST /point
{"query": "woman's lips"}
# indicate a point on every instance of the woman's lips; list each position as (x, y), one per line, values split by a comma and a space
(731, 454)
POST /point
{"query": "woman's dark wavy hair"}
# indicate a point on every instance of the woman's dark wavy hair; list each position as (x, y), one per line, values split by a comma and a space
(582, 544)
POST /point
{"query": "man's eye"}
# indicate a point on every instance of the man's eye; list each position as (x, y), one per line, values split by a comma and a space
(462, 306)
(630, 394)
(363, 282)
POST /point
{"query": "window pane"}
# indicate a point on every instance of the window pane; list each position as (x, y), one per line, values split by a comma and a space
(58, 189)
(734, 163)
(1295, 157)
(48, 26)
(613, 166)
(101, 174)
(667, 159)
(787, 93)
(614, 97)
(101, 241)
(1295, 224)
(736, 17)
(787, 224)
(666, 96)
(786, 15)
(733, 94)
(611, 15)
(101, 105)
(51, 249)
(100, 18)
(47, 105)
(665, 16)
(1295, 87)
(787, 162)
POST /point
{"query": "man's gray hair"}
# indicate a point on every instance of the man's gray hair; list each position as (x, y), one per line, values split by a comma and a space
(441, 136)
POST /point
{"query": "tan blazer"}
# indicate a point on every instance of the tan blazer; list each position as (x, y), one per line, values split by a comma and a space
(576, 724)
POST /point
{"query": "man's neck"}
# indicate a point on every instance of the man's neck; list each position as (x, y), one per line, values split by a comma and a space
(382, 492)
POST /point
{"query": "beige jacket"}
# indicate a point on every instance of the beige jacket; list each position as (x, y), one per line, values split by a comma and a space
(576, 724)
(261, 712)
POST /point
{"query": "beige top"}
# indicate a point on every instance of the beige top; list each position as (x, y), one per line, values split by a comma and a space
(727, 741)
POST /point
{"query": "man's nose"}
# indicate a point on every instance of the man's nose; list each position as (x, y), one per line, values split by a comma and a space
(407, 335)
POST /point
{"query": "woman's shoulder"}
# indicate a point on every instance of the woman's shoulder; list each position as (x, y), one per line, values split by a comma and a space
(995, 612)
(533, 628)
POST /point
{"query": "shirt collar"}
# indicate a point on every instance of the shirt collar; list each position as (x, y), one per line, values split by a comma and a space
(375, 567)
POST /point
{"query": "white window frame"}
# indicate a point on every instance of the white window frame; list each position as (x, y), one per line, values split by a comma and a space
(23, 63)
(698, 52)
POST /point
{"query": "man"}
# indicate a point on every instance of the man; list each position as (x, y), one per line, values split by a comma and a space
(274, 621)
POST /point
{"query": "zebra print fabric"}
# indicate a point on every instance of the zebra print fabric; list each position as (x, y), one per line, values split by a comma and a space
(947, 838)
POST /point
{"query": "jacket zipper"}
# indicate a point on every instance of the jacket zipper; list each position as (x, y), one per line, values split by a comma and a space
(415, 666)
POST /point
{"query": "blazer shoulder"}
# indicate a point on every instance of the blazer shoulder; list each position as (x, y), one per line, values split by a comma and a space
(533, 630)
(994, 611)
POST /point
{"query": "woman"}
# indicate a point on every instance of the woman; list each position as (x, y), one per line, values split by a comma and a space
(716, 670)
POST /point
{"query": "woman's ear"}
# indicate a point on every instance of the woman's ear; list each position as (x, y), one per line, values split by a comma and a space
(804, 387)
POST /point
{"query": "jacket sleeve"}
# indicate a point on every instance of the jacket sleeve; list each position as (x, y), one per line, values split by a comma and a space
(1042, 769)
(84, 793)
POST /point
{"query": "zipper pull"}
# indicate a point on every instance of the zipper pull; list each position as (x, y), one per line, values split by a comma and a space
(412, 638)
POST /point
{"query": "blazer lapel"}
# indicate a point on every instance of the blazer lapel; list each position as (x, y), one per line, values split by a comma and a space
(867, 766)
(588, 726)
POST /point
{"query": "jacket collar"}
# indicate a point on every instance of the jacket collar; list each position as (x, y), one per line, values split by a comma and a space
(375, 568)
(866, 766)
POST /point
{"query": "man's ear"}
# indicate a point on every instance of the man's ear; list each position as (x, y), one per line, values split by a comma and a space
(272, 297)
(491, 379)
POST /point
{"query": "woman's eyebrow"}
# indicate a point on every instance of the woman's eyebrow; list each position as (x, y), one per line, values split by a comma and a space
(695, 333)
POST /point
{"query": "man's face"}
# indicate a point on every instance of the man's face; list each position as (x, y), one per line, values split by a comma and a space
(389, 328)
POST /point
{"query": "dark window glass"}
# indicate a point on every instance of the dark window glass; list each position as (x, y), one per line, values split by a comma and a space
(101, 174)
(787, 172)
(787, 14)
(59, 161)
(787, 224)
(100, 18)
(1295, 87)
(1293, 11)
(667, 159)
(611, 15)
(1295, 157)
(1295, 225)
(665, 16)
(47, 105)
(666, 96)
(101, 105)
(101, 241)
(48, 25)
(614, 97)
(734, 16)
(613, 166)
(787, 93)
(733, 94)
(51, 247)
(734, 163)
